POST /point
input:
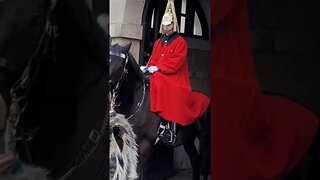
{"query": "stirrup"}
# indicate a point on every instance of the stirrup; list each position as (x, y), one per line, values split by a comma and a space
(166, 134)
(161, 130)
(167, 137)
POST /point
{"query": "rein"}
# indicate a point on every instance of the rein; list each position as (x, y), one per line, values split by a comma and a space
(139, 104)
(95, 138)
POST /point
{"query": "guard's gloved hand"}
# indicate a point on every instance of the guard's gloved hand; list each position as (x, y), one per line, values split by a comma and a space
(153, 69)
(143, 68)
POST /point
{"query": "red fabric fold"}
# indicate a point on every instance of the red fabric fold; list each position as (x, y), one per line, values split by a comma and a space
(254, 136)
(171, 95)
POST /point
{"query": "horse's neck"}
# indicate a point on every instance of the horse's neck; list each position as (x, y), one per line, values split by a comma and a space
(131, 92)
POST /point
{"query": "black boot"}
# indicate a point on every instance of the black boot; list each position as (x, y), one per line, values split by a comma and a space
(167, 133)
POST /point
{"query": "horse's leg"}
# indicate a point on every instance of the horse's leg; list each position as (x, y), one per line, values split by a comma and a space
(205, 160)
(205, 156)
(194, 158)
(204, 138)
(146, 151)
(5, 84)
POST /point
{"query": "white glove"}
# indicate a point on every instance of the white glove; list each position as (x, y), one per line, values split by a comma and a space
(143, 68)
(153, 69)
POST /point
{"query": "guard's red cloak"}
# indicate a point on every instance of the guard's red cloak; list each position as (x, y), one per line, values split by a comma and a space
(254, 136)
(171, 95)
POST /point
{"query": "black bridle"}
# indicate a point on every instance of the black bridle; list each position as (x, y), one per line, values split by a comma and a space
(124, 71)
(113, 94)
(21, 89)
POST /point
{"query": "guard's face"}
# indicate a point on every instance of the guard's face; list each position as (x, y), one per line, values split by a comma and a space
(168, 29)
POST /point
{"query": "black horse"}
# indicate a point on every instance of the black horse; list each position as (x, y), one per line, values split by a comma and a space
(54, 59)
(130, 89)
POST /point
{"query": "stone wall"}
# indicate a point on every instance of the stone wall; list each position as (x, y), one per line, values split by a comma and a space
(199, 72)
(286, 44)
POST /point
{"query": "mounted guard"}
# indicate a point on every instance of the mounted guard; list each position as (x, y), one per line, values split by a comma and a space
(171, 96)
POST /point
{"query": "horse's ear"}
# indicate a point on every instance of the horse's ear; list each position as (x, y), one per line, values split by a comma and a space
(127, 47)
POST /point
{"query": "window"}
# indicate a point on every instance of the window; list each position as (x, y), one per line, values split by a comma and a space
(191, 19)
(183, 16)
(197, 26)
(152, 19)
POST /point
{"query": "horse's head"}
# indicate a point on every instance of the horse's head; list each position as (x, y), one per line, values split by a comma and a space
(117, 62)
(21, 25)
(65, 77)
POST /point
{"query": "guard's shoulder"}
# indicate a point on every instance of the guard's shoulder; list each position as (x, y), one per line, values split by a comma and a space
(181, 39)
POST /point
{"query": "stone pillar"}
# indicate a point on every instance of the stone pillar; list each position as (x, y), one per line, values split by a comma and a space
(125, 23)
